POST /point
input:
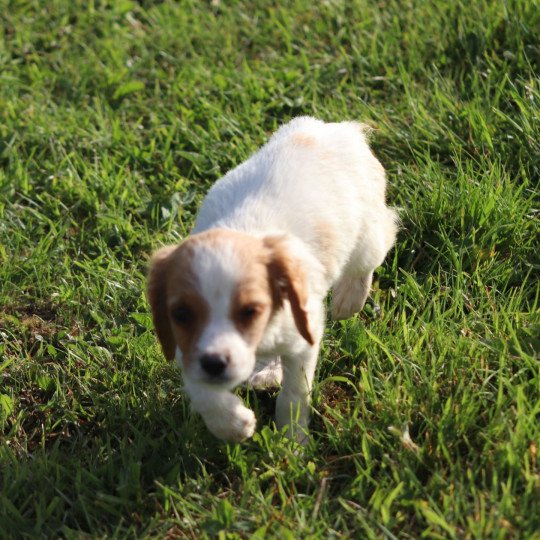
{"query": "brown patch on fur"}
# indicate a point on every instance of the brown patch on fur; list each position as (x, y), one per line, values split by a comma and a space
(244, 243)
(251, 308)
(187, 334)
(303, 139)
(289, 275)
(325, 242)
(157, 296)
(172, 287)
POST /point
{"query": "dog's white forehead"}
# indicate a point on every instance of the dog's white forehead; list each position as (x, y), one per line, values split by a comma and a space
(218, 269)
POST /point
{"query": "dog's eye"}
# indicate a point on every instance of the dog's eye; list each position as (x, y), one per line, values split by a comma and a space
(182, 315)
(248, 313)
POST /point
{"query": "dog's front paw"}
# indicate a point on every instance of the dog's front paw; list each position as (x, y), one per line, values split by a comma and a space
(237, 427)
(243, 425)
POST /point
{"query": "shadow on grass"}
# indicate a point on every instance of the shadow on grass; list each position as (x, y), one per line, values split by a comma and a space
(103, 467)
(105, 464)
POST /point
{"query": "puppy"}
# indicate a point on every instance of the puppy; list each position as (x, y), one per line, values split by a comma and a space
(242, 298)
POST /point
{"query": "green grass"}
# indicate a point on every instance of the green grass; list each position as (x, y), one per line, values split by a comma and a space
(116, 116)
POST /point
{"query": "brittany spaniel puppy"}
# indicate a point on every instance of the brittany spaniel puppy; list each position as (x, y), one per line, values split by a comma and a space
(242, 298)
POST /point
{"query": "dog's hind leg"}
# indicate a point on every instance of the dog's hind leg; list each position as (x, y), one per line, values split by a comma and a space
(352, 288)
(349, 295)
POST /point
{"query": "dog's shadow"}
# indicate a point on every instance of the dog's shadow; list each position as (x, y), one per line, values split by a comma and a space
(122, 455)
(165, 438)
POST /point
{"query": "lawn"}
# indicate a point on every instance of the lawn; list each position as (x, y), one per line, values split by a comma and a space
(116, 117)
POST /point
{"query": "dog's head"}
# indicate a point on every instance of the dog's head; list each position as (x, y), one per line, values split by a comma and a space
(214, 295)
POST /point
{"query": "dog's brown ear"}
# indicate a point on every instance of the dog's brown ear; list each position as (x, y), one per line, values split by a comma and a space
(288, 278)
(157, 296)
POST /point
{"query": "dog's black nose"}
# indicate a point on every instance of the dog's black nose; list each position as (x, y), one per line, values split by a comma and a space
(213, 364)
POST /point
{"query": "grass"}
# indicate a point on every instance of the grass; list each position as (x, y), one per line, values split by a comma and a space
(116, 116)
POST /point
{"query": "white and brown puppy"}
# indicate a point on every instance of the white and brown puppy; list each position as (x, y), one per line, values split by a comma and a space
(242, 298)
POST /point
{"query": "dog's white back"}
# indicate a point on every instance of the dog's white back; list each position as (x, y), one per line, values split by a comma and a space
(317, 181)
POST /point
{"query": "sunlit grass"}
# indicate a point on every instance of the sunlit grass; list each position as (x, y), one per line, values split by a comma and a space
(115, 117)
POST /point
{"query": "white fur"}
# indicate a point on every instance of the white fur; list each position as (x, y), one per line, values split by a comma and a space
(217, 270)
(268, 373)
(319, 184)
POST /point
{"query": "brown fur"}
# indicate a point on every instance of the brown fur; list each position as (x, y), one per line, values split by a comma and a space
(303, 139)
(324, 240)
(172, 285)
(258, 297)
(157, 296)
(289, 275)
